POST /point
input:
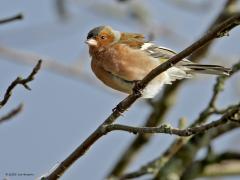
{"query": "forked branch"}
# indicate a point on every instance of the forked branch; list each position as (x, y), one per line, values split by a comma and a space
(20, 81)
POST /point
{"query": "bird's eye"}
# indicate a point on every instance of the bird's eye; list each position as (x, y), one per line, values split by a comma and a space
(103, 37)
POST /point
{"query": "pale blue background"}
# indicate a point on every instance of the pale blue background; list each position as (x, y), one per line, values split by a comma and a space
(60, 112)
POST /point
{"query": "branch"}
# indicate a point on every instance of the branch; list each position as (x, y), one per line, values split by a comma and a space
(166, 129)
(11, 114)
(167, 99)
(21, 81)
(14, 18)
(217, 32)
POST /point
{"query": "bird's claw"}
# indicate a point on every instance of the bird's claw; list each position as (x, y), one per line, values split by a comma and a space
(137, 89)
(119, 109)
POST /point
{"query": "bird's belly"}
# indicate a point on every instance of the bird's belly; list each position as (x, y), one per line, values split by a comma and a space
(111, 80)
(122, 85)
(150, 91)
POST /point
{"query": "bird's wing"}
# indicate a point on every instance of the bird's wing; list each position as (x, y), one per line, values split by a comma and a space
(157, 51)
(163, 54)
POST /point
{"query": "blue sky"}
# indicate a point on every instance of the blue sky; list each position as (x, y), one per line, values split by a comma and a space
(61, 111)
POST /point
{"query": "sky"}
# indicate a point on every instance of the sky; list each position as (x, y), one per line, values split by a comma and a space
(62, 110)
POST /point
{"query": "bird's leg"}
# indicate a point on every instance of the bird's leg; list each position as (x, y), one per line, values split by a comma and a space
(137, 89)
(119, 109)
(137, 92)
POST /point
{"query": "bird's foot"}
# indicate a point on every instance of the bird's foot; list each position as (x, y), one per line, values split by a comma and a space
(137, 89)
(119, 109)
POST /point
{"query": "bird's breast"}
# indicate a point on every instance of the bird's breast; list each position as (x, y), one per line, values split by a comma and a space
(110, 79)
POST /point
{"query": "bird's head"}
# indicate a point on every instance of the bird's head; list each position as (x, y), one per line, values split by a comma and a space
(102, 36)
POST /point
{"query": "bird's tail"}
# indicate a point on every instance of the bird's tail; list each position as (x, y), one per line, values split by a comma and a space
(208, 69)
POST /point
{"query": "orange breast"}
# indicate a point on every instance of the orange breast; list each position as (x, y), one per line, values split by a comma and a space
(109, 79)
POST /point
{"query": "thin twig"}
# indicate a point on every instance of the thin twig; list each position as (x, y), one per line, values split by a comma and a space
(14, 18)
(20, 81)
(219, 31)
(166, 129)
(11, 114)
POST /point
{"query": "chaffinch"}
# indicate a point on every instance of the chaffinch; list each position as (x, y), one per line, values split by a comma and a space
(119, 59)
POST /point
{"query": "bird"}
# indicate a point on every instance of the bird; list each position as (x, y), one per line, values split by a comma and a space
(120, 59)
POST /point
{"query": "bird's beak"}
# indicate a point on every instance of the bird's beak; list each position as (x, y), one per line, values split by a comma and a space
(91, 42)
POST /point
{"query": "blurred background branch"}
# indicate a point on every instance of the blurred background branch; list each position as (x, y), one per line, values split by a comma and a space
(50, 64)
(221, 164)
(11, 114)
(11, 19)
